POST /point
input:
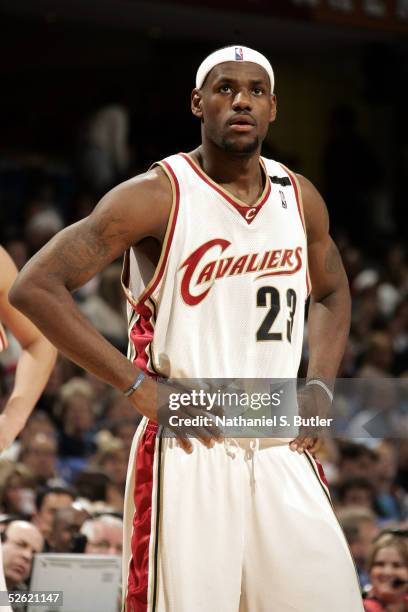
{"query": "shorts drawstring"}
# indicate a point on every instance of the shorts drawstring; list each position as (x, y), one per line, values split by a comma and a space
(250, 456)
(231, 448)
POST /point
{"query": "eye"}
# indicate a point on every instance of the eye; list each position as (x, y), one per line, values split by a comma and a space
(258, 91)
(225, 89)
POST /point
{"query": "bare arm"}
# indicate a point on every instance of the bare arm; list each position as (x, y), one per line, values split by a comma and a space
(330, 306)
(34, 364)
(133, 210)
(329, 312)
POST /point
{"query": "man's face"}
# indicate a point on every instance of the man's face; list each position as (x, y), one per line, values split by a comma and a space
(235, 106)
(66, 526)
(23, 540)
(107, 540)
(51, 503)
(41, 456)
(361, 467)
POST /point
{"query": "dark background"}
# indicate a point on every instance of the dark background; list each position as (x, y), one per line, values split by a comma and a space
(61, 61)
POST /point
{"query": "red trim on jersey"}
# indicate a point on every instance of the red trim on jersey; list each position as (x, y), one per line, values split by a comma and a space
(138, 578)
(244, 211)
(141, 336)
(299, 207)
(319, 472)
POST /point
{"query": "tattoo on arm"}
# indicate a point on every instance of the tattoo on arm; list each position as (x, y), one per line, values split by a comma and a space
(79, 255)
(332, 263)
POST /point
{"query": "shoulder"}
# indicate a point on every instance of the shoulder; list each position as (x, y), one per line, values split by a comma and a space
(154, 184)
(144, 202)
(314, 209)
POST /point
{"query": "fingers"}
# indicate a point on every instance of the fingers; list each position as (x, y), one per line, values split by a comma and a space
(302, 443)
(317, 445)
(185, 444)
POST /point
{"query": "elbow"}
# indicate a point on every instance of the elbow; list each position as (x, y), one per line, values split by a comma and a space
(20, 292)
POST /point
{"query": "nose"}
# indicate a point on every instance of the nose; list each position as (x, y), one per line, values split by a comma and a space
(27, 555)
(387, 571)
(242, 100)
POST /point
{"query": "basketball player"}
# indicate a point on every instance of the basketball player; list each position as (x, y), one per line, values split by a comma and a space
(214, 525)
(33, 368)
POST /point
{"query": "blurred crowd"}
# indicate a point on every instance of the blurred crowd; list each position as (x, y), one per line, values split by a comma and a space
(62, 482)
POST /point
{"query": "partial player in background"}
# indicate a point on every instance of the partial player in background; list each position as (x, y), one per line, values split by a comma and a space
(34, 366)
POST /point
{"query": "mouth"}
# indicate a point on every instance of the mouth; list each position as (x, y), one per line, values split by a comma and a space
(241, 123)
(19, 569)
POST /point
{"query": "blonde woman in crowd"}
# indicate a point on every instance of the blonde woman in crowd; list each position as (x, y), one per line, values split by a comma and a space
(388, 570)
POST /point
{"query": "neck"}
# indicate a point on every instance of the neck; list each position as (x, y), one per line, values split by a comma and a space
(228, 168)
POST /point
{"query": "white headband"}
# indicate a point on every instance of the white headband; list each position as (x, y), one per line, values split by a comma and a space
(233, 54)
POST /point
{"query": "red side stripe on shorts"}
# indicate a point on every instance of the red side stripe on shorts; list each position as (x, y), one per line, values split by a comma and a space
(138, 579)
(319, 471)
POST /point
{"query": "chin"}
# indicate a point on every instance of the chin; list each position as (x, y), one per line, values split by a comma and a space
(240, 147)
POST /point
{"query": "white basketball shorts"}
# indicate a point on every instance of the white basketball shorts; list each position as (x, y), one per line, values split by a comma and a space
(246, 526)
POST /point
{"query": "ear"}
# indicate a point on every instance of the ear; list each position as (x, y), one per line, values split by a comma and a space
(274, 108)
(196, 103)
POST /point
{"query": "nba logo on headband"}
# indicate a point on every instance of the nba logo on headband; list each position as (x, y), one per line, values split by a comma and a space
(239, 54)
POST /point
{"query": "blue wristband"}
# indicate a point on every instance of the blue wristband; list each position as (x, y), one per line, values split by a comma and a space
(135, 385)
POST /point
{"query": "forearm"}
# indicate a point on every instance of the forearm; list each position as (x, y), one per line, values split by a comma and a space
(33, 369)
(56, 315)
(328, 329)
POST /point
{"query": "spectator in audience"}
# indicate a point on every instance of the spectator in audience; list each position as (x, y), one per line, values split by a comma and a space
(357, 492)
(389, 497)
(356, 461)
(92, 484)
(378, 358)
(388, 569)
(49, 500)
(104, 535)
(78, 419)
(17, 492)
(65, 536)
(360, 528)
(112, 458)
(21, 540)
(38, 423)
(40, 456)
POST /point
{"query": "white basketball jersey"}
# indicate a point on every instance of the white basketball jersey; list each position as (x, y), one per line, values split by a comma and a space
(227, 297)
